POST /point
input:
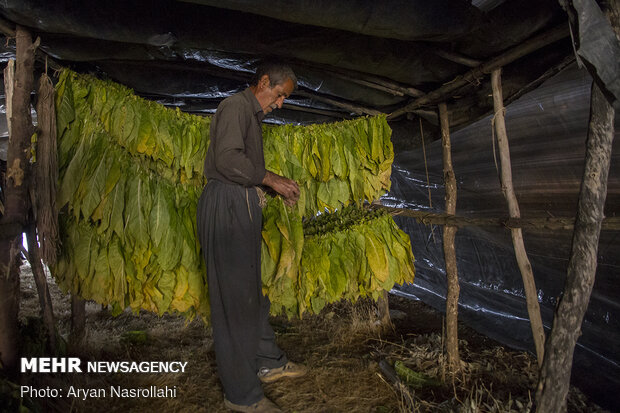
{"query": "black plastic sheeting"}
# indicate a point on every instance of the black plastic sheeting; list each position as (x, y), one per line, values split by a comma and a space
(164, 29)
(170, 26)
(599, 46)
(415, 20)
(547, 130)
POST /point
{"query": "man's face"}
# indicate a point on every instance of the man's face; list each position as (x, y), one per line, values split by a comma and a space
(271, 98)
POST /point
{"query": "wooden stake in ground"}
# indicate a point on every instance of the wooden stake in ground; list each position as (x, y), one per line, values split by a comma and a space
(78, 320)
(383, 308)
(449, 252)
(554, 378)
(16, 197)
(531, 295)
(45, 300)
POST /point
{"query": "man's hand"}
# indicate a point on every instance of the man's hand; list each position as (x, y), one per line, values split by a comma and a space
(284, 186)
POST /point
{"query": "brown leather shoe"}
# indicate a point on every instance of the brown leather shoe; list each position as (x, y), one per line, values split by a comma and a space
(290, 369)
(264, 405)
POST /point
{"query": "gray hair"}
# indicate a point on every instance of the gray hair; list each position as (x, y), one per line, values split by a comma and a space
(277, 72)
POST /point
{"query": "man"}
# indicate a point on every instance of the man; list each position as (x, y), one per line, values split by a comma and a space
(229, 221)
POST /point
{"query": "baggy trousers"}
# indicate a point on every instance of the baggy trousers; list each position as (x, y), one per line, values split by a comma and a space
(229, 221)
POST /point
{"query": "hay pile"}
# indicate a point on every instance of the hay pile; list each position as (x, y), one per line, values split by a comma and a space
(343, 346)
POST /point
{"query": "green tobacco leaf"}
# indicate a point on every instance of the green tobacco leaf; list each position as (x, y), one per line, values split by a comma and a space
(95, 186)
(332, 194)
(146, 136)
(159, 218)
(82, 243)
(163, 220)
(268, 265)
(356, 179)
(65, 112)
(325, 153)
(376, 138)
(339, 162)
(117, 268)
(337, 272)
(116, 203)
(166, 285)
(317, 304)
(413, 378)
(72, 176)
(136, 224)
(100, 283)
(377, 260)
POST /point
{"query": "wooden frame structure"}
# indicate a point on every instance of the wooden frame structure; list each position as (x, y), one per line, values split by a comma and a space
(554, 361)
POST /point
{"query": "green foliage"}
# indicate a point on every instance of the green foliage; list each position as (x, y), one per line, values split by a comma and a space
(413, 378)
(130, 190)
(131, 173)
(345, 255)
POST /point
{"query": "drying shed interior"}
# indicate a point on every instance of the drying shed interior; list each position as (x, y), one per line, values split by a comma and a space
(402, 58)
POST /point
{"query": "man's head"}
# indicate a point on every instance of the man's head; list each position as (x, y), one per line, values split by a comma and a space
(272, 83)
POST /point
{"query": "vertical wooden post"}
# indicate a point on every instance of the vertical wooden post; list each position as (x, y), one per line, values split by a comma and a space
(449, 252)
(531, 295)
(45, 301)
(17, 197)
(42, 233)
(78, 320)
(554, 379)
(383, 308)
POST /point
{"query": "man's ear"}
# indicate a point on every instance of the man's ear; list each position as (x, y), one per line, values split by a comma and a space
(264, 81)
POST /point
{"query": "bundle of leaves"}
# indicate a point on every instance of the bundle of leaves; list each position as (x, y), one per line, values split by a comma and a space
(348, 254)
(131, 173)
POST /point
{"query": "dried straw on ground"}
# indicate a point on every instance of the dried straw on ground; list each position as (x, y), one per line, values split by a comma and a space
(342, 346)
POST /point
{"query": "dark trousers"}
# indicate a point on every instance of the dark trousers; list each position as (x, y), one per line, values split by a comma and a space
(229, 222)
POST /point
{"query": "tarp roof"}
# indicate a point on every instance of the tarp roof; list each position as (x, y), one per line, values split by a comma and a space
(352, 57)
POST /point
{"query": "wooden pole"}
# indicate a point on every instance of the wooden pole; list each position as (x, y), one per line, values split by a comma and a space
(366, 79)
(554, 379)
(330, 113)
(531, 295)
(78, 320)
(555, 373)
(360, 110)
(449, 252)
(457, 57)
(505, 58)
(45, 300)
(16, 197)
(383, 310)
(547, 223)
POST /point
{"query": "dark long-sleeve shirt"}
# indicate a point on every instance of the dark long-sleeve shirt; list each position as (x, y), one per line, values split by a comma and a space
(235, 154)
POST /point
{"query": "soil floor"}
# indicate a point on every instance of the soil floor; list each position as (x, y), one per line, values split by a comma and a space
(349, 354)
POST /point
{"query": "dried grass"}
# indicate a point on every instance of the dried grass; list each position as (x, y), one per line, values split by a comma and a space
(342, 347)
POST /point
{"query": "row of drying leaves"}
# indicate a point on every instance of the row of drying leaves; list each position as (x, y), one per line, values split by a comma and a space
(131, 172)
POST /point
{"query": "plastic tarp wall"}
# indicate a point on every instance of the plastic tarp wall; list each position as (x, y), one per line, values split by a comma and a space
(547, 130)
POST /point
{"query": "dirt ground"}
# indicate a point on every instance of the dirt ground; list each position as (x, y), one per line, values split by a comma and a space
(344, 348)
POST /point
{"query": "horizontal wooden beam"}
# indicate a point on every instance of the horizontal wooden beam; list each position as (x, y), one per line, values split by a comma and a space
(330, 113)
(353, 108)
(549, 73)
(375, 82)
(549, 223)
(457, 58)
(445, 92)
